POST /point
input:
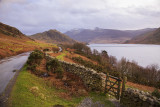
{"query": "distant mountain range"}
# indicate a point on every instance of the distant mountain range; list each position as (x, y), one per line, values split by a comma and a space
(52, 36)
(99, 35)
(152, 37)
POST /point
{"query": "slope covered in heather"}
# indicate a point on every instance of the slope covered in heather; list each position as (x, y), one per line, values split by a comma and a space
(13, 42)
(52, 36)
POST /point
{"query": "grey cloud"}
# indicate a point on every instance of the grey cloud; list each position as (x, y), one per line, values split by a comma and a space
(32, 16)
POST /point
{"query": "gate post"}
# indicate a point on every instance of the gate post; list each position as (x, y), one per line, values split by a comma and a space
(119, 86)
(123, 85)
(107, 77)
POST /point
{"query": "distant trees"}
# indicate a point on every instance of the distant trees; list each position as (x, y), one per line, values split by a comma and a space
(82, 48)
(112, 60)
(135, 73)
(148, 76)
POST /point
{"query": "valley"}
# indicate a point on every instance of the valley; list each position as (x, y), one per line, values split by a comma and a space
(66, 68)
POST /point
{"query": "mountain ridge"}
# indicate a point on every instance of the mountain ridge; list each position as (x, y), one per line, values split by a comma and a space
(152, 37)
(13, 42)
(12, 32)
(52, 36)
(99, 35)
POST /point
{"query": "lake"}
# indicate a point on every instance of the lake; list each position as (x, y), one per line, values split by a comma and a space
(143, 54)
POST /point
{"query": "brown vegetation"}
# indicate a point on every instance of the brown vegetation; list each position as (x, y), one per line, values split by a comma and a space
(53, 36)
(13, 42)
(152, 37)
(138, 76)
(69, 82)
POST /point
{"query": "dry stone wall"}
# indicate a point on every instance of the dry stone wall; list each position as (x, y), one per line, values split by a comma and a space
(92, 80)
(136, 98)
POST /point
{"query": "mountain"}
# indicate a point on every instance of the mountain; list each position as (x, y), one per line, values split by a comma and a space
(12, 32)
(13, 42)
(152, 37)
(52, 36)
(99, 35)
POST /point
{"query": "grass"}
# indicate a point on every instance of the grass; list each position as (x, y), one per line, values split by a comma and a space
(45, 96)
(40, 44)
(60, 57)
(102, 98)
(16, 49)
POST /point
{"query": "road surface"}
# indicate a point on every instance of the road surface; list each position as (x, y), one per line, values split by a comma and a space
(7, 66)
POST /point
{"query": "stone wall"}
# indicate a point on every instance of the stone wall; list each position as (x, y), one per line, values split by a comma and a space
(92, 80)
(136, 98)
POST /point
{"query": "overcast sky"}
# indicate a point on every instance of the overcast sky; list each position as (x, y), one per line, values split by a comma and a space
(33, 16)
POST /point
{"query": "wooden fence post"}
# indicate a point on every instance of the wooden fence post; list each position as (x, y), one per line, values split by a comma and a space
(123, 85)
(119, 86)
(107, 77)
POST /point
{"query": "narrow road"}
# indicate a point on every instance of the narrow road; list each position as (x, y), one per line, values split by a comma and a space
(7, 66)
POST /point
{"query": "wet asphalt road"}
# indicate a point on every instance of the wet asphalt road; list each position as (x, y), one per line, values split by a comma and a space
(7, 66)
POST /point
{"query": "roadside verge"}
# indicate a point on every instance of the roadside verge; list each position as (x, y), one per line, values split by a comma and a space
(5, 95)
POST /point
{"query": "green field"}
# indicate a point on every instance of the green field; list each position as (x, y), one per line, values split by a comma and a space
(32, 91)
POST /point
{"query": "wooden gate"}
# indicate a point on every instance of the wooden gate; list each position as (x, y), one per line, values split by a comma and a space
(113, 86)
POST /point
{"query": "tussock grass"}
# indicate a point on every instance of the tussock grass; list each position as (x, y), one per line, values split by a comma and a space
(24, 93)
(32, 91)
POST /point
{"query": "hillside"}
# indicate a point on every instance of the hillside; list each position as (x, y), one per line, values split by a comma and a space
(13, 42)
(12, 32)
(52, 36)
(99, 35)
(152, 37)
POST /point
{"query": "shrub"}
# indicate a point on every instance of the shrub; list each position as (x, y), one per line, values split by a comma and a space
(52, 65)
(32, 67)
(88, 64)
(156, 93)
(44, 50)
(59, 71)
(35, 57)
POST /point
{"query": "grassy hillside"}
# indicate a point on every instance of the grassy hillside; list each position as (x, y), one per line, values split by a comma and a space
(33, 91)
(53, 36)
(147, 38)
(12, 32)
(13, 42)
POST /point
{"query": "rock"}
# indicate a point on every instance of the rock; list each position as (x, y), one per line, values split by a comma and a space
(45, 74)
(98, 104)
(15, 70)
(87, 102)
(142, 92)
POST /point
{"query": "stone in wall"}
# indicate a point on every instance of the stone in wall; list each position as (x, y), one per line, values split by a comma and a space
(92, 80)
(136, 98)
